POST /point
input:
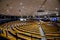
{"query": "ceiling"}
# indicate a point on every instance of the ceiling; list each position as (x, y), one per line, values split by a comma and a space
(27, 7)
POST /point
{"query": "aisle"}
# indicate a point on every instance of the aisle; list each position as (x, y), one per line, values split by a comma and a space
(41, 32)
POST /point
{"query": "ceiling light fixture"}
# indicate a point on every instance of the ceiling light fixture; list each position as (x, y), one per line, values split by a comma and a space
(21, 3)
(56, 8)
(22, 6)
(10, 7)
(57, 14)
(7, 11)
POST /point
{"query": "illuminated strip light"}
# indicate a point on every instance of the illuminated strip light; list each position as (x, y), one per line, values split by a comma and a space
(22, 19)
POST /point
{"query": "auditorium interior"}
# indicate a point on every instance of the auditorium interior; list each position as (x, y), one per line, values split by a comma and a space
(29, 19)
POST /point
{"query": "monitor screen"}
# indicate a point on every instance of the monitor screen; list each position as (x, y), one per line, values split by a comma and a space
(53, 19)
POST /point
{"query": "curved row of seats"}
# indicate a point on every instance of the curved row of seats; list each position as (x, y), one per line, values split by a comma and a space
(28, 30)
(50, 30)
(23, 35)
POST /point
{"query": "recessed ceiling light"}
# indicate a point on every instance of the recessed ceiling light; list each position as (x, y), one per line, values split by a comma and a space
(22, 6)
(21, 3)
(10, 7)
(7, 10)
(56, 8)
(57, 14)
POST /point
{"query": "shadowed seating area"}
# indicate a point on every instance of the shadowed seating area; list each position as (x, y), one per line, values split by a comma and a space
(3, 38)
